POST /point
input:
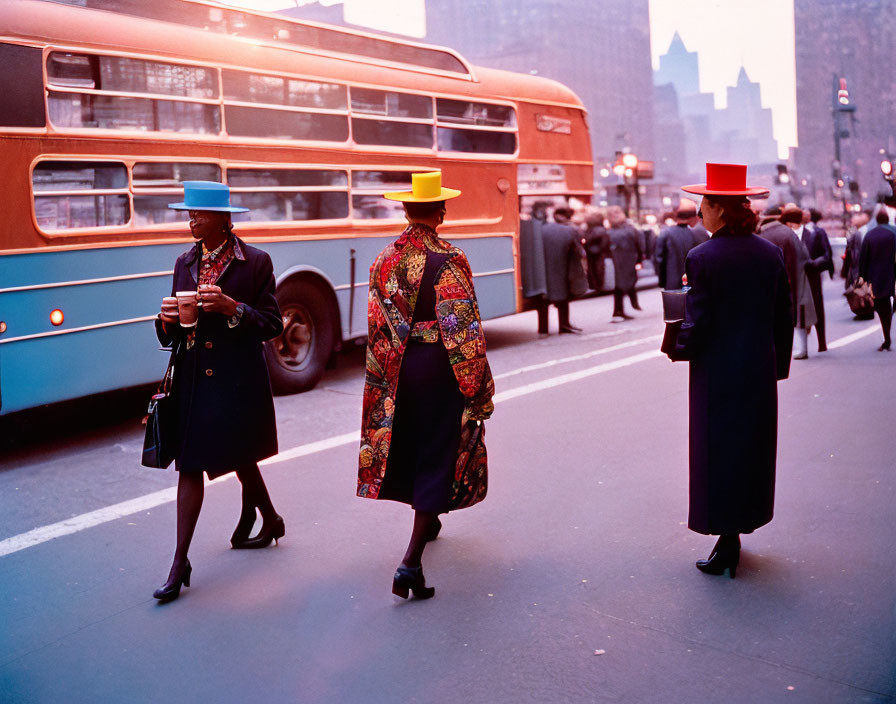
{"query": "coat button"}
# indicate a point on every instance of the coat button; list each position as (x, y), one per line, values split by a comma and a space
(208, 372)
(208, 345)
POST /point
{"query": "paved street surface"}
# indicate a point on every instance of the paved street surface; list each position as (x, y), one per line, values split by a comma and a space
(574, 581)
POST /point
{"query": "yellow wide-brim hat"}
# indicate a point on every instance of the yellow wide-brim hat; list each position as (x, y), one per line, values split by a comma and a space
(425, 188)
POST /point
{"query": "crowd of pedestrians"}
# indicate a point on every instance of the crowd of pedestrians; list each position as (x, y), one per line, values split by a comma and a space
(750, 302)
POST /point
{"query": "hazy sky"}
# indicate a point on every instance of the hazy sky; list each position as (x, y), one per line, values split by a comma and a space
(757, 34)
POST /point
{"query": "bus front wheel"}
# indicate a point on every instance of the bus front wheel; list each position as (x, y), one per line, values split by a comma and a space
(297, 358)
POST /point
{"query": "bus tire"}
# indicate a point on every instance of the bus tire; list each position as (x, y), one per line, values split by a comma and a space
(298, 358)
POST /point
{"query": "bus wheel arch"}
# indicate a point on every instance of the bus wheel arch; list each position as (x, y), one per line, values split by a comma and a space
(297, 359)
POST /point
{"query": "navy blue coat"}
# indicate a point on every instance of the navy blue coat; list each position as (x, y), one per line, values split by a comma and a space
(738, 337)
(221, 385)
(876, 260)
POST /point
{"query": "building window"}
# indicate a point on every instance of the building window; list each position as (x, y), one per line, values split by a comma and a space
(72, 195)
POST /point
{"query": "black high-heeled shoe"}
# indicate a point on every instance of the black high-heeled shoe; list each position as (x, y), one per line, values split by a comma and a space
(270, 531)
(411, 578)
(243, 530)
(720, 559)
(170, 592)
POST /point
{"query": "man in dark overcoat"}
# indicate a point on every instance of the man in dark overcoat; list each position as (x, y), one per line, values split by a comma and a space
(673, 245)
(562, 243)
(597, 249)
(821, 259)
(627, 252)
(877, 265)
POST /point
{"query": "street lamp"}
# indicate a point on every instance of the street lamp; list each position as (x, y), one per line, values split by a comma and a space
(886, 168)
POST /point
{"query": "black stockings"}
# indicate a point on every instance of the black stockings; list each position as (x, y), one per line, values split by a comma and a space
(190, 492)
(424, 525)
(728, 543)
(255, 494)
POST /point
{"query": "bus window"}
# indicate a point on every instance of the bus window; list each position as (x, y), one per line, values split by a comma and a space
(541, 178)
(156, 183)
(276, 90)
(367, 193)
(299, 194)
(387, 132)
(80, 194)
(134, 114)
(126, 75)
(481, 114)
(391, 104)
(476, 141)
(21, 85)
(285, 124)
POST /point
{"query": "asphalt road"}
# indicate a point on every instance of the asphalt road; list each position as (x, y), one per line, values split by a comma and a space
(572, 582)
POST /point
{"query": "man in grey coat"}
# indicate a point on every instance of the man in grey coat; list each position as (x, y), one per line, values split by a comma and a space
(627, 252)
(775, 229)
(673, 245)
(562, 244)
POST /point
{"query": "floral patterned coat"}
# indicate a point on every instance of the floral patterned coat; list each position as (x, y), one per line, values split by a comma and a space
(394, 284)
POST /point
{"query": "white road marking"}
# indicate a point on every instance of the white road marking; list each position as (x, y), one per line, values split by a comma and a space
(843, 341)
(144, 503)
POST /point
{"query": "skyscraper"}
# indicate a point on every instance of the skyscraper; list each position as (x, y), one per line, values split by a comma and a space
(855, 40)
(599, 49)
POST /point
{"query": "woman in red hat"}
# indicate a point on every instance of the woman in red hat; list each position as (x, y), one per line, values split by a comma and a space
(737, 334)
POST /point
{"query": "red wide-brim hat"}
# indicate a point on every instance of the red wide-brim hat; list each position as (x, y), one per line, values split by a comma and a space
(725, 180)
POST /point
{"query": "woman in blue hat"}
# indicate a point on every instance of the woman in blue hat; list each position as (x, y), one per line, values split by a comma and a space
(222, 392)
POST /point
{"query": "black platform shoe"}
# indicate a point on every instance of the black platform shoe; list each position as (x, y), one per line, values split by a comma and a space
(270, 531)
(170, 592)
(411, 578)
(243, 530)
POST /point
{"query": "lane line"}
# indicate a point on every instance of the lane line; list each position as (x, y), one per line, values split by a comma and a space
(578, 357)
(144, 503)
(843, 341)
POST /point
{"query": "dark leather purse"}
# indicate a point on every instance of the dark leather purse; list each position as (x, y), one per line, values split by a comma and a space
(161, 423)
(471, 470)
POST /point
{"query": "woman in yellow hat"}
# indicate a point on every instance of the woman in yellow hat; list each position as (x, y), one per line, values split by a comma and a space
(428, 385)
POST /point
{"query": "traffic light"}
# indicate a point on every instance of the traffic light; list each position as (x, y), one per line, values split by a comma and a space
(843, 93)
(782, 175)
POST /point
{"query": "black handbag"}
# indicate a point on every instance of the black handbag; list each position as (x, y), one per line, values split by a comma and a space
(161, 423)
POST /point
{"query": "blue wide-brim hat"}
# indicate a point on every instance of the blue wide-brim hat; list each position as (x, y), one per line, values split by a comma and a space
(206, 195)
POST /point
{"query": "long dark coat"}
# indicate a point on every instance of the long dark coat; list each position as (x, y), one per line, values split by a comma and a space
(672, 247)
(625, 247)
(796, 262)
(876, 260)
(221, 385)
(597, 248)
(559, 245)
(737, 336)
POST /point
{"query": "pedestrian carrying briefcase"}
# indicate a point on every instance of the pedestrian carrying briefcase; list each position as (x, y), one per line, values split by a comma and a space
(161, 423)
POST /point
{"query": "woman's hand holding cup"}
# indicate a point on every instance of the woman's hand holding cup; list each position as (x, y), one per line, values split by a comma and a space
(214, 300)
(169, 312)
